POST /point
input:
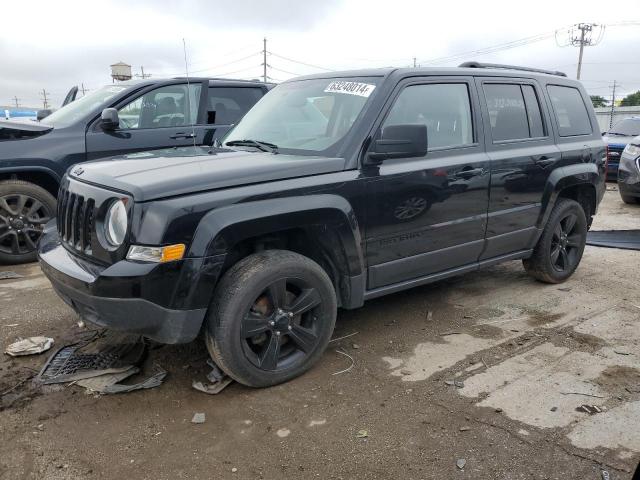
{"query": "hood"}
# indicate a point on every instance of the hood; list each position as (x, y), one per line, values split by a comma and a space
(171, 172)
(20, 129)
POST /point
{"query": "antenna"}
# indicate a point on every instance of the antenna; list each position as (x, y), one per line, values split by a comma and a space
(186, 69)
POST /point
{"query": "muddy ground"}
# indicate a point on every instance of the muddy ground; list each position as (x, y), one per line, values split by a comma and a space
(528, 356)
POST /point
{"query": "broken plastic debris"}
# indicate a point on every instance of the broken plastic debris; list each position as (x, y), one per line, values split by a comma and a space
(6, 275)
(590, 409)
(219, 381)
(455, 383)
(460, 463)
(212, 388)
(29, 346)
(198, 418)
(362, 434)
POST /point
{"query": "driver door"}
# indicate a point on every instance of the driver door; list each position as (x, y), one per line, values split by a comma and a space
(160, 118)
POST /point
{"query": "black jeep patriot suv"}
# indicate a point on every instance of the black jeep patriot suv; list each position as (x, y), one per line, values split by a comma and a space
(332, 190)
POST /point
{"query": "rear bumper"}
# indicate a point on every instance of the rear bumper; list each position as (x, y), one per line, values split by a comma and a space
(164, 302)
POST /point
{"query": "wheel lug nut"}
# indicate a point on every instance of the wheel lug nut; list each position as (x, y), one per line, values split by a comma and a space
(272, 323)
(290, 314)
(290, 327)
(277, 333)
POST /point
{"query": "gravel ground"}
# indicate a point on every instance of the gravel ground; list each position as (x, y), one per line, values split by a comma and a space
(527, 356)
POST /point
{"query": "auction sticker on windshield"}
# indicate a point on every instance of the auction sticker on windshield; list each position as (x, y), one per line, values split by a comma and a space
(350, 88)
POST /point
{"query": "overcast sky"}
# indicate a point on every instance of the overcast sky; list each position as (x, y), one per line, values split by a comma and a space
(55, 45)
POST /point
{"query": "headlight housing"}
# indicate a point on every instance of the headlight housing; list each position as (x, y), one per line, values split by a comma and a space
(632, 150)
(116, 223)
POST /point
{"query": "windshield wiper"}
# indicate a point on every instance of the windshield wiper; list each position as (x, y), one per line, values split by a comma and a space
(618, 134)
(263, 146)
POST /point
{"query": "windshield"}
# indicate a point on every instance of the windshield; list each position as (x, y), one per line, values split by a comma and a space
(79, 108)
(629, 128)
(308, 117)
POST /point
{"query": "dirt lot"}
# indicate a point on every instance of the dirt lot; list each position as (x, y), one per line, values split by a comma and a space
(527, 354)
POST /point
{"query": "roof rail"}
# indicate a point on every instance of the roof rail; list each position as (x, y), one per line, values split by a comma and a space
(510, 67)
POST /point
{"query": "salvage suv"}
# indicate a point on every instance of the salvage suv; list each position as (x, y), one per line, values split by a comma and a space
(131, 116)
(332, 190)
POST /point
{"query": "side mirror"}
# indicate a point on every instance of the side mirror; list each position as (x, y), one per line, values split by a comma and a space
(40, 114)
(399, 141)
(110, 119)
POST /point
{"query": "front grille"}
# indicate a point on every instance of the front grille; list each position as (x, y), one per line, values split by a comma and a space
(75, 220)
(614, 153)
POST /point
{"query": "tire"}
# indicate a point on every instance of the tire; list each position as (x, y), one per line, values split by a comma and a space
(24, 209)
(561, 245)
(247, 336)
(629, 199)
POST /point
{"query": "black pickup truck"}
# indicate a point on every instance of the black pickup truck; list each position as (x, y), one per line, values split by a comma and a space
(126, 117)
(332, 190)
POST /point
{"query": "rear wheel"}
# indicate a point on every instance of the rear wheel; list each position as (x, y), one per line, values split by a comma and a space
(24, 209)
(559, 249)
(271, 318)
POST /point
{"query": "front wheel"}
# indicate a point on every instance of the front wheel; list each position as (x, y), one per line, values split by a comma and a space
(271, 318)
(24, 209)
(559, 249)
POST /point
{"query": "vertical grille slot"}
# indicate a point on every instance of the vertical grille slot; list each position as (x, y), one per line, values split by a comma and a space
(74, 219)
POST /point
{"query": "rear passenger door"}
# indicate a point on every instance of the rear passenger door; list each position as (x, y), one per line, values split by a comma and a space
(427, 215)
(523, 154)
(225, 106)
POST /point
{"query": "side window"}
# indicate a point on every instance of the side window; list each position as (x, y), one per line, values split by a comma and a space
(570, 111)
(444, 108)
(169, 106)
(514, 112)
(227, 105)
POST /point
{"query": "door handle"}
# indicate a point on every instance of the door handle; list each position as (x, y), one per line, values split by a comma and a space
(467, 173)
(545, 161)
(183, 135)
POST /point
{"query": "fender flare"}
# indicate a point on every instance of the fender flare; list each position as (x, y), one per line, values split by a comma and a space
(329, 217)
(563, 178)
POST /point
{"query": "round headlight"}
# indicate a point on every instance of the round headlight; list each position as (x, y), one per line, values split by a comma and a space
(115, 224)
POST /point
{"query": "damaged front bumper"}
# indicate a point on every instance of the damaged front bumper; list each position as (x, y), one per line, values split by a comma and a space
(165, 302)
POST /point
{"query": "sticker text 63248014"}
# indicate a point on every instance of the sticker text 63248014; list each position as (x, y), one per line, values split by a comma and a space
(351, 88)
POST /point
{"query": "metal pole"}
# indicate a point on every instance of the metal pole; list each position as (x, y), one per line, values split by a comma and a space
(264, 59)
(613, 105)
(582, 29)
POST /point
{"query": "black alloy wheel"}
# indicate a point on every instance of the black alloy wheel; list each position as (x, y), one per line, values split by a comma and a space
(281, 326)
(24, 210)
(561, 244)
(566, 244)
(271, 317)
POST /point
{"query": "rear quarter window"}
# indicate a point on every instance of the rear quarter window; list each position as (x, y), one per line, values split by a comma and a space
(570, 111)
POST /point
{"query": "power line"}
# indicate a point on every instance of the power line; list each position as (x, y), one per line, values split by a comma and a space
(491, 49)
(301, 63)
(216, 66)
(285, 71)
(142, 75)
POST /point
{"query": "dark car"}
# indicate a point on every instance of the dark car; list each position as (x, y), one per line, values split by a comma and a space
(125, 117)
(332, 190)
(617, 139)
(629, 172)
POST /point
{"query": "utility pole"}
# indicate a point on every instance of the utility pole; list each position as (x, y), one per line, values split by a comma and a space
(613, 105)
(83, 89)
(582, 35)
(414, 62)
(143, 75)
(16, 100)
(264, 59)
(45, 102)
